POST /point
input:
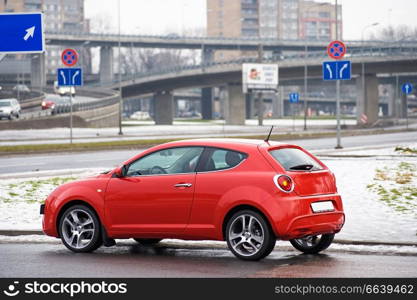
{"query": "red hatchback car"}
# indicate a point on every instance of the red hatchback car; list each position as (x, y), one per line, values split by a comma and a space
(247, 192)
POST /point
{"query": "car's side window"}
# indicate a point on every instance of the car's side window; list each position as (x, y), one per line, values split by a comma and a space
(167, 161)
(221, 159)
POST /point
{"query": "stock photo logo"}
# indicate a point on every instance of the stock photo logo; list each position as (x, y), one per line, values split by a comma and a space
(11, 290)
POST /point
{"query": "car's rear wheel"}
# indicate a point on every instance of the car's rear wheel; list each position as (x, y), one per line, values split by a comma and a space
(313, 244)
(249, 236)
(79, 229)
(148, 242)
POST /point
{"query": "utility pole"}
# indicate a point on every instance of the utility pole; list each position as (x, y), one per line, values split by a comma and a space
(260, 101)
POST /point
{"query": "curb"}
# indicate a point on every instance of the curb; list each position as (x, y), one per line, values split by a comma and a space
(337, 241)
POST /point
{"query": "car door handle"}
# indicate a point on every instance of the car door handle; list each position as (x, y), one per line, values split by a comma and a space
(187, 185)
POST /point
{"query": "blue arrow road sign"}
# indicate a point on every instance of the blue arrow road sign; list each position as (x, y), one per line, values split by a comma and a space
(21, 33)
(70, 76)
(294, 97)
(407, 88)
(337, 70)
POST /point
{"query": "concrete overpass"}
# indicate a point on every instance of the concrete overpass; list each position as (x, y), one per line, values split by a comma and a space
(199, 43)
(229, 75)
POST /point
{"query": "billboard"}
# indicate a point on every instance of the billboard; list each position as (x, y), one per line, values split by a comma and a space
(259, 77)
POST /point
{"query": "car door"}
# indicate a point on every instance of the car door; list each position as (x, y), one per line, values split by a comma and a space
(215, 178)
(155, 195)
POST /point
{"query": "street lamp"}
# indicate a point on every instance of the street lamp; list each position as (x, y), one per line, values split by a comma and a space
(363, 63)
(305, 63)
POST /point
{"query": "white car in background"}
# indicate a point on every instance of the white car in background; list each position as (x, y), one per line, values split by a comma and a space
(9, 108)
(63, 90)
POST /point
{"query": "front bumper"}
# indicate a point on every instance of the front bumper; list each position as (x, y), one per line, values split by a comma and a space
(5, 114)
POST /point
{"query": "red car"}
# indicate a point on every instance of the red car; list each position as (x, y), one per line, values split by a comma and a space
(247, 192)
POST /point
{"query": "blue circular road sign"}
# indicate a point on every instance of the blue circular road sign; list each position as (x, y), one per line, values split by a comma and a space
(407, 88)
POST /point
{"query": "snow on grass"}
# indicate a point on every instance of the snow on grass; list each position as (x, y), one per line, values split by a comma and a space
(394, 150)
(396, 186)
(20, 199)
(367, 217)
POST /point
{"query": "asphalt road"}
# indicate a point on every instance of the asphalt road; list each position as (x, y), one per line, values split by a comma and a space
(112, 158)
(132, 260)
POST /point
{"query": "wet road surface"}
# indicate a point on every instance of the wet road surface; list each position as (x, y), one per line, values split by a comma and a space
(132, 260)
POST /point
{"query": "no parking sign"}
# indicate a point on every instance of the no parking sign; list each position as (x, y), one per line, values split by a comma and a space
(336, 49)
(69, 57)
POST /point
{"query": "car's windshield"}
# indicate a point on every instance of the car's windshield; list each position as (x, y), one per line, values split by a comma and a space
(5, 103)
(293, 159)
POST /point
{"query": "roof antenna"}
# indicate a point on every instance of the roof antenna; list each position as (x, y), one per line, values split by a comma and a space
(269, 135)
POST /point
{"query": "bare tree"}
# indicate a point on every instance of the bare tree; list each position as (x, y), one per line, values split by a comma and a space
(399, 33)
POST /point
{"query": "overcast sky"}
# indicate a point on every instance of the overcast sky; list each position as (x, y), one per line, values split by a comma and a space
(176, 16)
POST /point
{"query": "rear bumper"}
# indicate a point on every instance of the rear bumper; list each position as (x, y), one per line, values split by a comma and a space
(302, 221)
(316, 224)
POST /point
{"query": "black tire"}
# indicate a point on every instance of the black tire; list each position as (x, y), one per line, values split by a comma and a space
(258, 248)
(313, 244)
(90, 231)
(148, 242)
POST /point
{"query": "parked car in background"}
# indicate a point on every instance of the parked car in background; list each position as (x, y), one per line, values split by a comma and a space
(63, 90)
(140, 115)
(9, 108)
(57, 104)
(21, 88)
(247, 192)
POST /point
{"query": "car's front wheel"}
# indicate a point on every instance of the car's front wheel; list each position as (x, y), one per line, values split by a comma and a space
(79, 229)
(313, 244)
(249, 236)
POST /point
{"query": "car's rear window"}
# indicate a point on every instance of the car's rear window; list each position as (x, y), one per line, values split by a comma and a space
(293, 159)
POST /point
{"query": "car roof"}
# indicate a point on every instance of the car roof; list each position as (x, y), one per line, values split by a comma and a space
(235, 143)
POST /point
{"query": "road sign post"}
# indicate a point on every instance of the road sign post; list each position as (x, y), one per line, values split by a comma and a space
(407, 88)
(70, 77)
(294, 98)
(22, 33)
(337, 70)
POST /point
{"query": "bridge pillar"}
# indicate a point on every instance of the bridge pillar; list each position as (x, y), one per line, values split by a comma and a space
(106, 65)
(207, 93)
(403, 106)
(249, 105)
(163, 108)
(207, 103)
(391, 101)
(278, 104)
(368, 98)
(38, 71)
(235, 112)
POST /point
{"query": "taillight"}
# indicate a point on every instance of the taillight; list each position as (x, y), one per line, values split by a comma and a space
(284, 183)
(43, 103)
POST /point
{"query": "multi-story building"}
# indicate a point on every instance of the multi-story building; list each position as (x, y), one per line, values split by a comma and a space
(275, 19)
(59, 15)
(317, 21)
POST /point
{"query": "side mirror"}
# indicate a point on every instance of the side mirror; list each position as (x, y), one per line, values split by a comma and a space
(120, 172)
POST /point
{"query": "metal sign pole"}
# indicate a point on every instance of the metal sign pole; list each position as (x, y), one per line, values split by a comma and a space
(338, 135)
(406, 111)
(71, 115)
